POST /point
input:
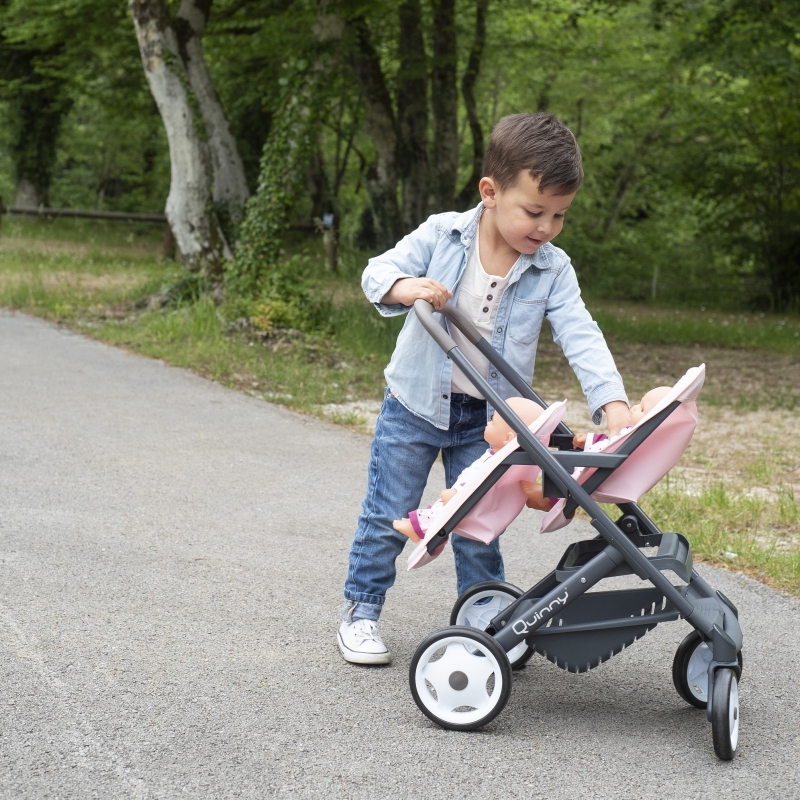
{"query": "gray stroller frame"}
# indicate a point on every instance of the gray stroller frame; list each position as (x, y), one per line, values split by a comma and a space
(495, 627)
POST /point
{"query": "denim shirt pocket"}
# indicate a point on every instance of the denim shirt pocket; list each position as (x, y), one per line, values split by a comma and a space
(525, 319)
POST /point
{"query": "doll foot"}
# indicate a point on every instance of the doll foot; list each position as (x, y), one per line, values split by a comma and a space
(405, 527)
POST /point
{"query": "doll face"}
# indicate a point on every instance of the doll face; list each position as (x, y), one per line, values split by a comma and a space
(497, 432)
(648, 403)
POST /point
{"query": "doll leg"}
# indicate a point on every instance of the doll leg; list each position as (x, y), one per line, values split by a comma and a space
(475, 561)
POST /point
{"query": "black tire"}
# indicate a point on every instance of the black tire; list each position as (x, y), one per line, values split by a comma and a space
(725, 713)
(685, 670)
(476, 660)
(520, 655)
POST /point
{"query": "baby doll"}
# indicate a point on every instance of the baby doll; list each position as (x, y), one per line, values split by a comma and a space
(497, 434)
(534, 491)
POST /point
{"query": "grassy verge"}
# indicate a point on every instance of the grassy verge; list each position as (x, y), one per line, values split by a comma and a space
(96, 279)
(741, 531)
(654, 325)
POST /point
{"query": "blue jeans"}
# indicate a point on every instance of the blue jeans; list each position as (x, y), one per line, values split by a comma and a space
(403, 452)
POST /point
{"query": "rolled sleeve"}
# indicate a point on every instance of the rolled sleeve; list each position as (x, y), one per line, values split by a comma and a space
(409, 258)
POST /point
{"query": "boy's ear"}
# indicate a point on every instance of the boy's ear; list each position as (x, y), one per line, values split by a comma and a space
(488, 189)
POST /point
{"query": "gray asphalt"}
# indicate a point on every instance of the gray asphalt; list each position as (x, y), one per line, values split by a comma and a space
(172, 555)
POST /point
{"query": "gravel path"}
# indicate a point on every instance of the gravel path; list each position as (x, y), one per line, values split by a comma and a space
(172, 555)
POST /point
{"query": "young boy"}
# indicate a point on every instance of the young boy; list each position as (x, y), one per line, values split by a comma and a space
(498, 264)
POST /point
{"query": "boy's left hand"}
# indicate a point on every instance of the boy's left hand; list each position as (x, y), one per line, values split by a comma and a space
(618, 416)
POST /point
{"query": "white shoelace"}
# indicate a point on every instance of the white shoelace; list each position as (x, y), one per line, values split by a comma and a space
(364, 629)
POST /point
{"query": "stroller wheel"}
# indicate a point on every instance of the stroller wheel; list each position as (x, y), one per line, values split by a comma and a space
(725, 713)
(480, 604)
(460, 678)
(690, 670)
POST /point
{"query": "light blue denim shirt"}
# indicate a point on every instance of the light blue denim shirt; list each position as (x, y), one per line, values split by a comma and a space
(540, 285)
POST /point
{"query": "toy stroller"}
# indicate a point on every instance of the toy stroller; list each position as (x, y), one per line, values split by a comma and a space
(460, 676)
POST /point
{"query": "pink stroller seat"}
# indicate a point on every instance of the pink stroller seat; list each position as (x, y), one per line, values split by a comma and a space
(501, 505)
(651, 461)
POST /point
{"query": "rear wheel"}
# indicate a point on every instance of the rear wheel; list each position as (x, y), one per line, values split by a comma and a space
(481, 603)
(460, 678)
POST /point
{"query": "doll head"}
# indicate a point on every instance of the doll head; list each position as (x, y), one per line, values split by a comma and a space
(648, 403)
(498, 433)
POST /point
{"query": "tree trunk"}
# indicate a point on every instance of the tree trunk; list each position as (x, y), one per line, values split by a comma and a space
(412, 113)
(469, 194)
(230, 190)
(444, 97)
(380, 126)
(190, 210)
(37, 104)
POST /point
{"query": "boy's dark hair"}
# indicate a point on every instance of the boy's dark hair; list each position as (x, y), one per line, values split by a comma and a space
(539, 143)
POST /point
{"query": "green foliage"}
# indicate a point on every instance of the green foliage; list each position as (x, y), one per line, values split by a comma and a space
(283, 162)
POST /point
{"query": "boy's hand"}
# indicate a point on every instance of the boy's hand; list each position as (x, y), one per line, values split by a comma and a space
(407, 290)
(618, 416)
(579, 441)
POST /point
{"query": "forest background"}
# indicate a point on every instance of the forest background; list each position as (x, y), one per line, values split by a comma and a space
(288, 140)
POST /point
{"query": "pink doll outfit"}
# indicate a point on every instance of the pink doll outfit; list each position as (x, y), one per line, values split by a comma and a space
(421, 518)
(501, 505)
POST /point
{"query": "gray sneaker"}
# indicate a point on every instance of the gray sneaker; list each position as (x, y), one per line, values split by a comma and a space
(361, 643)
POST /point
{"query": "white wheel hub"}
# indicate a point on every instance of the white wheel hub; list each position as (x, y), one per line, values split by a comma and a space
(477, 614)
(458, 680)
(697, 671)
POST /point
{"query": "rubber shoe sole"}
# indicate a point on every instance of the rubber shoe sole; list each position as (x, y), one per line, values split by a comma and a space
(354, 657)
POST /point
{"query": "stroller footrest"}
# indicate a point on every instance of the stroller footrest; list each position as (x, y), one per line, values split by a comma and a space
(674, 553)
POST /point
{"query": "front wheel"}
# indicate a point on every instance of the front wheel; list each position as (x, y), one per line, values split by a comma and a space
(690, 669)
(725, 713)
(481, 603)
(460, 678)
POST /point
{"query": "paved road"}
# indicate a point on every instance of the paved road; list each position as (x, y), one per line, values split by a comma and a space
(172, 555)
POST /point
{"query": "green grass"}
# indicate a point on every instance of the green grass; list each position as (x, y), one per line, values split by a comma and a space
(653, 325)
(741, 531)
(94, 232)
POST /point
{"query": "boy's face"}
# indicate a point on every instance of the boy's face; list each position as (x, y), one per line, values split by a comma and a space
(525, 217)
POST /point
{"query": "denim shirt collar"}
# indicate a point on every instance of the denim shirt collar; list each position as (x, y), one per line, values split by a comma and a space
(466, 226)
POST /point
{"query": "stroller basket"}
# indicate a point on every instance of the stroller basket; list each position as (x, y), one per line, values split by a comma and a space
(496, 627)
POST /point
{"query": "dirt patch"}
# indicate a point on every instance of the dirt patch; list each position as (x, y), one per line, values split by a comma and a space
(79, 281)
(50, 247)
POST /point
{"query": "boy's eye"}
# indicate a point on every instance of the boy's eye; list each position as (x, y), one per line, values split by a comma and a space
(534, 214)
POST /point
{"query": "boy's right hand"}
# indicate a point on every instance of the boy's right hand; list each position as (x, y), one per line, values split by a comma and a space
(407, 290)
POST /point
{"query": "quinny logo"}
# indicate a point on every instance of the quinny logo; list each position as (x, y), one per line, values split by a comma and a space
(559, 601)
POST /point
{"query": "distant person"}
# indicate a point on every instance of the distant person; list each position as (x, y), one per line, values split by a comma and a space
(498, 262)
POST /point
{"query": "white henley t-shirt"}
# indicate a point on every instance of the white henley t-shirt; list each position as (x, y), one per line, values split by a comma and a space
(478, 299)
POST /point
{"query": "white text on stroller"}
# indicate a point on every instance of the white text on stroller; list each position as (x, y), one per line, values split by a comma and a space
(562, 601)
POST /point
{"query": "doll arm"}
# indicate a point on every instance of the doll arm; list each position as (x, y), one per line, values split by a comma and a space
(535, 494)
(448, 494)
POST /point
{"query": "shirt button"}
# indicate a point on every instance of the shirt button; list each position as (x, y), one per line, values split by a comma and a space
(494, 284)
(485, 309)
(494, 374)
(445, 396)
(488, 297)
(499, 330)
